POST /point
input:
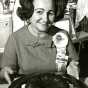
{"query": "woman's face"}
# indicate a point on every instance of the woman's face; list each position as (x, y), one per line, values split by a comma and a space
(43, 15)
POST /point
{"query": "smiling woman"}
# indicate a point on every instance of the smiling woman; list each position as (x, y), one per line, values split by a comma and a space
(26, 13)
(43, 16)
(31, 49)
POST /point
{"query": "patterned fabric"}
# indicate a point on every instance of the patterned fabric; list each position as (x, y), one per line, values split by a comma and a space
(61, 41)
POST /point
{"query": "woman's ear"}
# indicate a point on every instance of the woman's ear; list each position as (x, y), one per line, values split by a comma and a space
(28, 21)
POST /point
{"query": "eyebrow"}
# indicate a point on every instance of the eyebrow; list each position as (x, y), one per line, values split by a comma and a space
(42, 9)
(39, 9)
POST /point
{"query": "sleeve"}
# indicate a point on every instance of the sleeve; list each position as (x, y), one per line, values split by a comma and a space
(9, 57)
(73, 67)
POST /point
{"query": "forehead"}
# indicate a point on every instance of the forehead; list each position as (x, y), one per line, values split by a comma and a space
(45, 4)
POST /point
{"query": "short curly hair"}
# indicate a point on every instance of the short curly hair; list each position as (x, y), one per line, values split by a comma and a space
(47, 80)
(26, 10)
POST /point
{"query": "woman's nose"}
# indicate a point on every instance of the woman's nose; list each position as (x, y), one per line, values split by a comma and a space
(45, 17)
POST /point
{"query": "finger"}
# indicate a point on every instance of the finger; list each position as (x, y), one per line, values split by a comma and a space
(9, 70)
(86, 81)
(7, 77)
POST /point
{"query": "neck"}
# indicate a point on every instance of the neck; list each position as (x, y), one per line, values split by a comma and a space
(36, 33)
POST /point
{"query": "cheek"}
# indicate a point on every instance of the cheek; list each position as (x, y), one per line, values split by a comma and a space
(34, 18)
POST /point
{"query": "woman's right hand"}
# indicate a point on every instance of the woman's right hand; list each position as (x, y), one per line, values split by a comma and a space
(86, 81)
(6, 72)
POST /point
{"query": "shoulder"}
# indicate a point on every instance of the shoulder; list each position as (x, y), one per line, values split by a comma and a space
(20, 33)
(20, 36)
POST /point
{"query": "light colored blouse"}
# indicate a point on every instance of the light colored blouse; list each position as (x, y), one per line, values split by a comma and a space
(29, 54)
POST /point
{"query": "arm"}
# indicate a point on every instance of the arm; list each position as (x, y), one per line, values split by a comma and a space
(9, 59)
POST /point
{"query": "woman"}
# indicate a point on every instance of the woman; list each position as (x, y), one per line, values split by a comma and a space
(30, 49)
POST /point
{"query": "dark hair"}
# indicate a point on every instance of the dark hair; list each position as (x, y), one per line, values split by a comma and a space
(47, 80)
(27, 8)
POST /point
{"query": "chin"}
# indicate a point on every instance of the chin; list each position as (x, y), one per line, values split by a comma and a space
(43, 28)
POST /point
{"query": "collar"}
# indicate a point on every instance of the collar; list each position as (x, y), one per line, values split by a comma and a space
(33, 41)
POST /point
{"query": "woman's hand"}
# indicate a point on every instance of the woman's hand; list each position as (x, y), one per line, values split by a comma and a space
(6, 72)
(86, 81)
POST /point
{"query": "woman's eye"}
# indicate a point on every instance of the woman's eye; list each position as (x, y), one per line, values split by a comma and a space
(39, 12)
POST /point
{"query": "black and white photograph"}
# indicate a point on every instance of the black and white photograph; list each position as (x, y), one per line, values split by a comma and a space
(43, 43)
